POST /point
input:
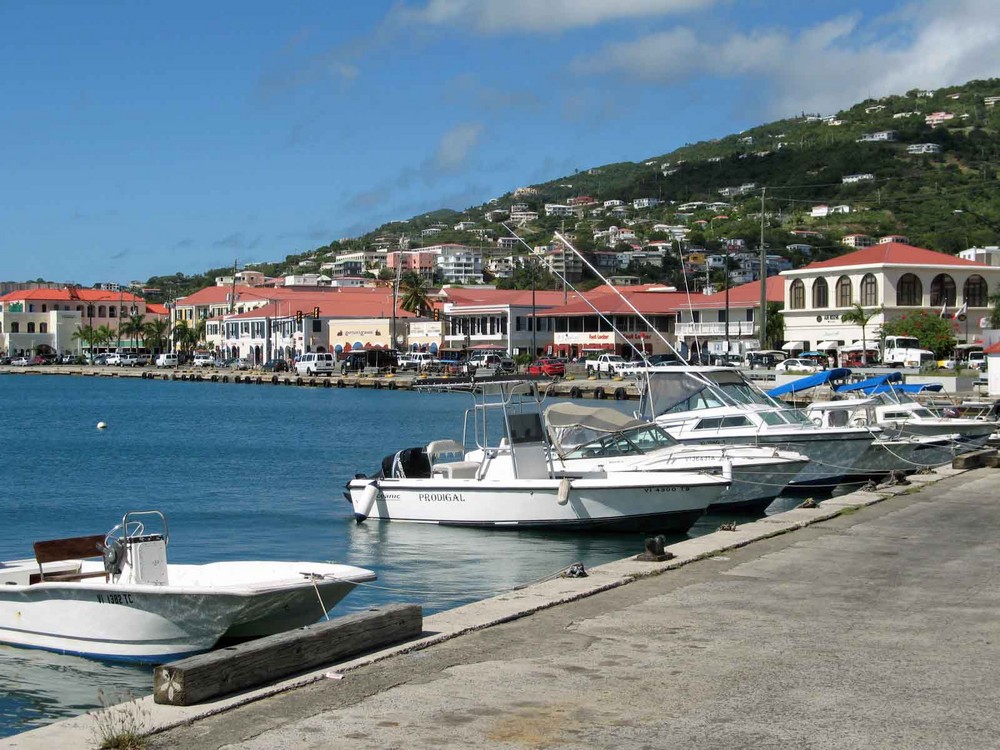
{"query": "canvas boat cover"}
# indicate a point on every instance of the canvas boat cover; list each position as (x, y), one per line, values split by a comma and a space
(810, 381)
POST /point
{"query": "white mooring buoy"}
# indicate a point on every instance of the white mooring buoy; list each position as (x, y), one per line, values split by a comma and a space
(102, 425)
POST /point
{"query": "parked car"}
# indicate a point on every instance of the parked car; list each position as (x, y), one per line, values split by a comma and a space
(113, 359)
(499, 363)
(799, 365)
(763, 359)
(416, 361)
(976, 360)
(316, 363)
(275, 365)
(607, 364)
(21, 362)
(241, 363)
(547, 367)
(42, 359)
(167, 359)
(203, 359)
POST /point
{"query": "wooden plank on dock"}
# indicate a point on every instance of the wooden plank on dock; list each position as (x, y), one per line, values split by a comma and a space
(973, 459)
(267, 660)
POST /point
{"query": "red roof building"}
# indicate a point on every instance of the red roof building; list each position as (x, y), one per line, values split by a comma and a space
(891, 280)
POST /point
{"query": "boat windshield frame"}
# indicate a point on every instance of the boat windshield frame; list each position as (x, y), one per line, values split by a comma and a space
(621, 443)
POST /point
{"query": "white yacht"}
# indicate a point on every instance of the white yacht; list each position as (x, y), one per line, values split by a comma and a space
(512, 483)
(589, 441)
(709, 405)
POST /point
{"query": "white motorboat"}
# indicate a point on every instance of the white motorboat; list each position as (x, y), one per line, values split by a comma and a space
(590, 441)
(130, 604)
(699, 405)
(889, 403)
(513, 485)
(889, 451)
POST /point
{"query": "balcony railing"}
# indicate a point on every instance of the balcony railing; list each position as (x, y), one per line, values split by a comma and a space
(736, 328)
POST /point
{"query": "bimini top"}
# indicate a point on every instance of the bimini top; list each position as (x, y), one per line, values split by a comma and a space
(571, 425)
(887, 383)
(810, 381)
(599, 418)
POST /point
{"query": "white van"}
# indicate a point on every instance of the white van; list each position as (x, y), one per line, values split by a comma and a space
(167, 359)
(316, 363)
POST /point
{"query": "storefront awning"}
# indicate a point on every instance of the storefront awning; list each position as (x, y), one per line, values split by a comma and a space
(795, 346)
(825, 346)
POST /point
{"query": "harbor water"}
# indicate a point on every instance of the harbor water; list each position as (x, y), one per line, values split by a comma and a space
(241, 473)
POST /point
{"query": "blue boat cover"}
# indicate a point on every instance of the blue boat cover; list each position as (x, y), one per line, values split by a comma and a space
(810, 381)
(867, 386)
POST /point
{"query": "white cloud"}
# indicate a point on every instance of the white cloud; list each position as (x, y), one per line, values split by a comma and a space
(537, 16)
(456, 145)
(832, 64)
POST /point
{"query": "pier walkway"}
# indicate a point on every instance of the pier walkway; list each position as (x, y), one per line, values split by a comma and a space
(875, 624)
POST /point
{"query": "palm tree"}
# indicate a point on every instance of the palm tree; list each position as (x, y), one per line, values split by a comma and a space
(414, 288)
(133, 327)
(859, 316)
(85, 335)
(994, 302)
(157, 330)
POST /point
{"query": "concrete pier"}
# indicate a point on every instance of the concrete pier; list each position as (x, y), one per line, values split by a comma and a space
(874, 624)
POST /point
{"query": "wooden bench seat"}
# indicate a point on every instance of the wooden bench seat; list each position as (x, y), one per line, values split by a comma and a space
(72, 548)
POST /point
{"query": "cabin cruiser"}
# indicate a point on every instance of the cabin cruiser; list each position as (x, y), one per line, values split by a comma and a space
(899, 415)
(888, 452)
(887, 403)
(512, 483)
(589, 441)
(130, 604)
(710, 405)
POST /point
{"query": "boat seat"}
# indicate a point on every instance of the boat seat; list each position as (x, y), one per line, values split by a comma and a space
(61, 550)
(457, 469)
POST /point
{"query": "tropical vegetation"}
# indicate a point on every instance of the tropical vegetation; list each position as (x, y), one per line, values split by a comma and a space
(930, 329)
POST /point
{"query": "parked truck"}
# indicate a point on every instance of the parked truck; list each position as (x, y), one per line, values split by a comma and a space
(607, 364)
(905, 351)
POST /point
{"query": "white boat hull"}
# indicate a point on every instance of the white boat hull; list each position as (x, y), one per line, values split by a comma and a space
(158, 623)
(758, 474)
(625, 501)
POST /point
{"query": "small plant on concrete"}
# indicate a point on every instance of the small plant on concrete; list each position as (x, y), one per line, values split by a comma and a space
(121, 726)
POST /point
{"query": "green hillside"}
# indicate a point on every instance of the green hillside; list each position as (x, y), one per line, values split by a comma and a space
(945, 201)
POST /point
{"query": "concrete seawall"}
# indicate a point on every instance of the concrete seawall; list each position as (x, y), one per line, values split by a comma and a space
(873, 624)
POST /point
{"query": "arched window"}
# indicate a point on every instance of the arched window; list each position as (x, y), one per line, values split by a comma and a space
(975, 292)
(943, 290)
(43, 327)
(797, 292)
(15, 327)
(845, 294)
(102, 311)
(112, 311)
(90, 311)
(821, 293)
(909, 291)
(79, 309)
(869, 291)
(31, 327)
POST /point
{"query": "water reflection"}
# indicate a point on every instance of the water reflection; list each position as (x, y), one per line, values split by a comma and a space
(40, 686)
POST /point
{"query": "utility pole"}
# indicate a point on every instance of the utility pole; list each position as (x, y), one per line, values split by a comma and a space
(763, 276)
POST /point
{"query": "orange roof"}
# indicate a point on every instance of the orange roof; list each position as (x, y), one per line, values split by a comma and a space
(66, 295)
(219, 294)
(992, 348)
(330, 306)
(518, 297)
(155, 309)
(895, 253)
(744, 295)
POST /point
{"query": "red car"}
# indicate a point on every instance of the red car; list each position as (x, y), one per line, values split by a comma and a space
(548, 367)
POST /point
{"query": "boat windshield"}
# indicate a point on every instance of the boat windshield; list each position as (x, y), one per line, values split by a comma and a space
(739, 390)
(674, 392)
(633, 442)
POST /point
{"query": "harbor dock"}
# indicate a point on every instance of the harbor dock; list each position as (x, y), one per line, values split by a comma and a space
(874, 623)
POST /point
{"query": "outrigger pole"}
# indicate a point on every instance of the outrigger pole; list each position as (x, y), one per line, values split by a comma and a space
(622, 296)
(565, 281)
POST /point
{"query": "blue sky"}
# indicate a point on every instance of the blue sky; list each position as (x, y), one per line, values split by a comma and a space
(150, 138)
